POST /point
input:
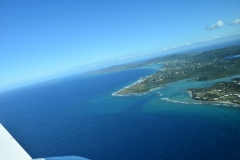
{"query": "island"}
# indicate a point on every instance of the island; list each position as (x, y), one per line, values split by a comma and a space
(201, 66)
(220, 92)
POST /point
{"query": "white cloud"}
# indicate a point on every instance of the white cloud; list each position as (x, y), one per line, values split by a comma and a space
(216, 25)
(236, 21)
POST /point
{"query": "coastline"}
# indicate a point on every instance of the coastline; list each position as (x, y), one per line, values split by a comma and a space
(190, 93)
(129, 94)
(117, 93)
(225, 102)
(133, 94)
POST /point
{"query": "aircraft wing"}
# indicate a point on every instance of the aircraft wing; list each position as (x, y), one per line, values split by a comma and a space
(9, 147)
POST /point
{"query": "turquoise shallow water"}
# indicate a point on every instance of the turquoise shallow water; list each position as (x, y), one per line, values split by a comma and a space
(78, 116)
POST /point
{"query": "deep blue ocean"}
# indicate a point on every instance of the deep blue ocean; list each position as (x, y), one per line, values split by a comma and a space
(78, 115)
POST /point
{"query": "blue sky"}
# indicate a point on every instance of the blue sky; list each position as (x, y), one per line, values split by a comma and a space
(39, 38)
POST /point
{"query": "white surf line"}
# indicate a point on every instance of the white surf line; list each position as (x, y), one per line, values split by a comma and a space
(173, 101)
